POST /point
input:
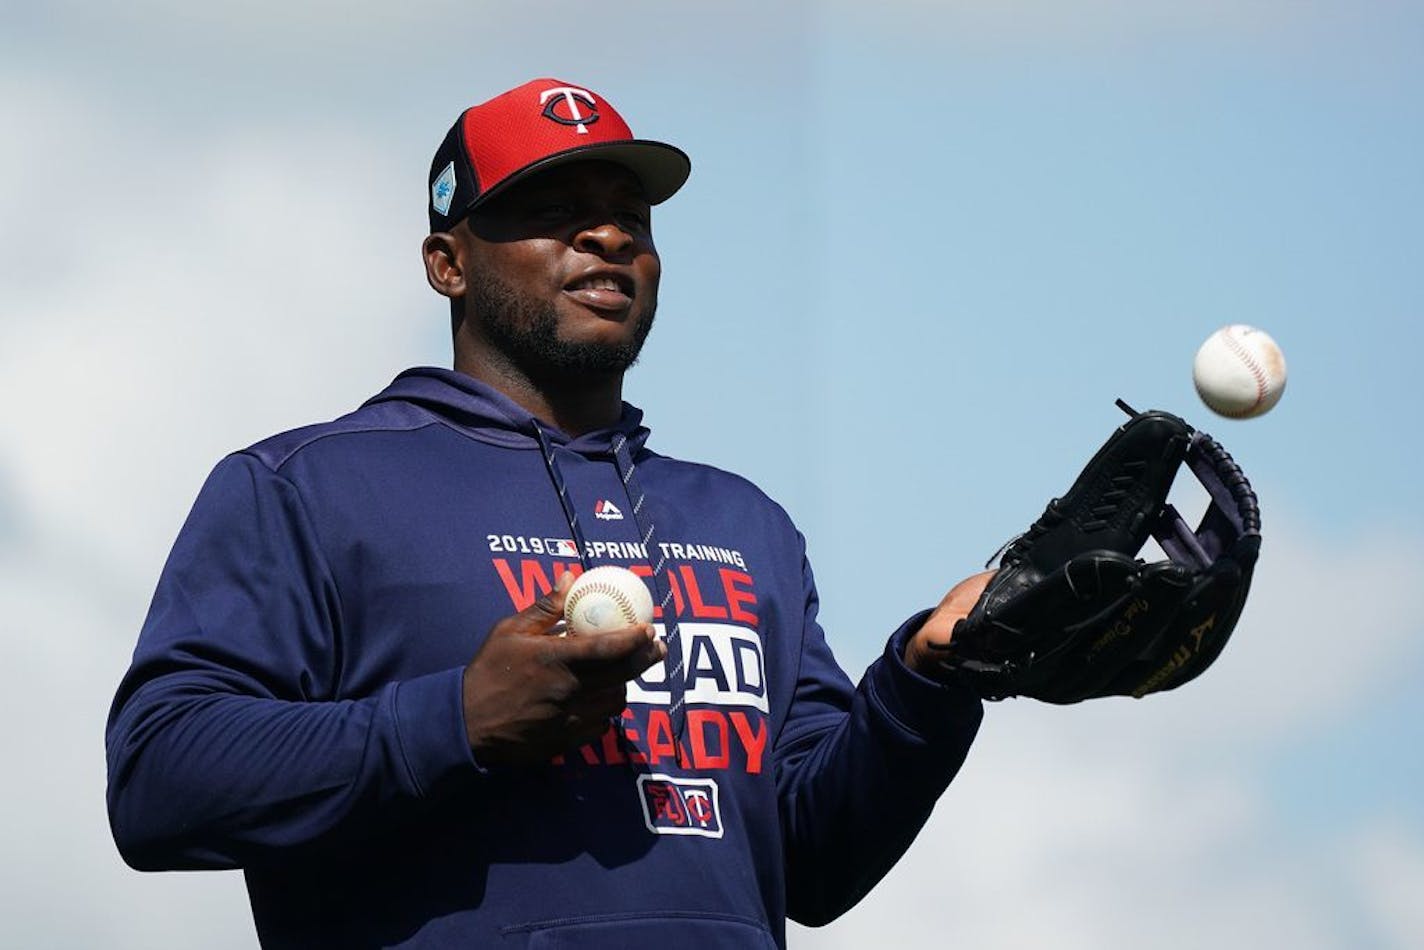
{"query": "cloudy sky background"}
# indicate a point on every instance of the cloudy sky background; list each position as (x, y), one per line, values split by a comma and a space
(924, 247)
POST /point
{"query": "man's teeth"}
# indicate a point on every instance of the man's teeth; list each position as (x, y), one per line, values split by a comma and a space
(597, 283)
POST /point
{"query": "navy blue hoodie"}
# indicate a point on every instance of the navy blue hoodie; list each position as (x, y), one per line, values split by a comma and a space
(294, 704)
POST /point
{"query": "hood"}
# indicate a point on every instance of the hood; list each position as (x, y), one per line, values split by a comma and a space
(493, 417)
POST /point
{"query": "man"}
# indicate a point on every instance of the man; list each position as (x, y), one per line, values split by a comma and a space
(351, 682)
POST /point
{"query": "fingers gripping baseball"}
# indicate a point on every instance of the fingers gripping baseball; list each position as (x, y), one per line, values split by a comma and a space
(530, 694)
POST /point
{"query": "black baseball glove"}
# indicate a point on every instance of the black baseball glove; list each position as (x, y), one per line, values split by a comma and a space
(1073, 614)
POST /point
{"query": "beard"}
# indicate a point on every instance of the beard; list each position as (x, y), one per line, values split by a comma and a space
(526, 331)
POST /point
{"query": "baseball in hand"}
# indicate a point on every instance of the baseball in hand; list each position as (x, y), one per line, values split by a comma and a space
(1239, 372)
(607, 598)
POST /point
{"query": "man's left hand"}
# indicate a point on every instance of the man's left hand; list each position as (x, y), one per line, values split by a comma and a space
(926, 648)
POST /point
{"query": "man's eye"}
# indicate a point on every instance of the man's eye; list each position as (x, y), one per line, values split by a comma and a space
(633, 219)
(555, 210)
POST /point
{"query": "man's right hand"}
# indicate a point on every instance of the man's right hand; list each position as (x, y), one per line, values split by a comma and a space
(531, 694)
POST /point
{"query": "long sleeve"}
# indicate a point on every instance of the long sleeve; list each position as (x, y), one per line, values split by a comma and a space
(858, 773)
(226, 738)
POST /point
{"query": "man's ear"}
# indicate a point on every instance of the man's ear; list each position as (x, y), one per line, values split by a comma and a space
(443, 268)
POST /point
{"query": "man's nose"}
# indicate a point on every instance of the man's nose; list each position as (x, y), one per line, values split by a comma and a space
(606, 239)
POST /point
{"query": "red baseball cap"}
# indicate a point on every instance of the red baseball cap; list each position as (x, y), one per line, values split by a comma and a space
(540, 125)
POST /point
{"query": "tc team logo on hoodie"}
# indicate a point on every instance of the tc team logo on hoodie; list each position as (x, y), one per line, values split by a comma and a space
(605, 510)
(680, 806)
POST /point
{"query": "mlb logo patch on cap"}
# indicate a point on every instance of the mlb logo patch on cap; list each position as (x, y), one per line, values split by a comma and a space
(442, 192)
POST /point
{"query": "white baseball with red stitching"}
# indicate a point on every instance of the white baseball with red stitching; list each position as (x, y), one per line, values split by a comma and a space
(1239, 372)
(606, 598)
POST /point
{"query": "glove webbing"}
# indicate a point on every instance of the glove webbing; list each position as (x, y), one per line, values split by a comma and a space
(1234, 511)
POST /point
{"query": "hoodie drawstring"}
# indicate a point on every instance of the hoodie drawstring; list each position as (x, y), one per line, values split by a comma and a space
(560, 486)
(662, 588)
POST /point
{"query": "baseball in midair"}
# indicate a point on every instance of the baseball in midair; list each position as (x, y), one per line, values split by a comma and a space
(1239, 372)
(606, 598)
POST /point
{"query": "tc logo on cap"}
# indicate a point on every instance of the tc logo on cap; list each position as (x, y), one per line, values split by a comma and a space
(569, 97)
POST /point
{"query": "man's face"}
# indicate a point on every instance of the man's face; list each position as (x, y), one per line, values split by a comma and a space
(563, 275)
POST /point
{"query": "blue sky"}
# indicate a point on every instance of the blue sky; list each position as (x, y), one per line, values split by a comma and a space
(924, 247)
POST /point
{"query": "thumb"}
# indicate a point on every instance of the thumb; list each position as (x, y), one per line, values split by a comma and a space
(955, 606)
(546, 611)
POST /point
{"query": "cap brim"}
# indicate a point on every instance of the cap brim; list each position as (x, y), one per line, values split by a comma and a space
(661, 168)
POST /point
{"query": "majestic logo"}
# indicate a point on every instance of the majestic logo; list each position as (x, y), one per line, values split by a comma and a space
(680, 806)
(442, 191)
(606, 510)
(569, 97)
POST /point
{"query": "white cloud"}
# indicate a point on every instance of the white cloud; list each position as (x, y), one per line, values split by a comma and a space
(198, 295)
(1329, 624)
(1039, 846)
(1034, 847)
(1386, 862)
(163, 298)
(67, 634)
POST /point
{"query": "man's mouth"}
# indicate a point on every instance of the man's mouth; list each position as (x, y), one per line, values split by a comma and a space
(602, 291)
